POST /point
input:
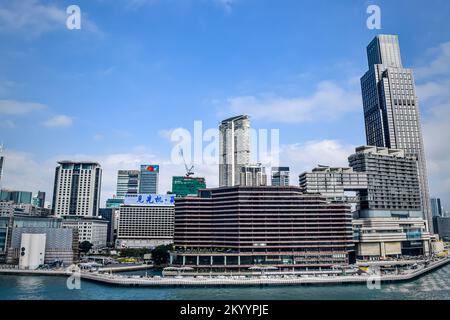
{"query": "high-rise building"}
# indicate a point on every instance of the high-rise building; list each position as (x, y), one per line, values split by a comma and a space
(39, 199)
(187, 186)
(76, 190)
(18, 197)
(234, 149)
(149, 179)
(278, 227)
(391, 108)
(436, 207)
(127, 182)
(280, 176)
(389, 222)
(2, 159)
(334, 183)
(253, 176)
(392, 180)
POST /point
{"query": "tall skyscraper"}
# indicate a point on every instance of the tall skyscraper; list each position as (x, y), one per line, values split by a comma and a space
(280, 176)
(2, 159)
(127, 182)
(391, 108)
(76, 190)
(234, 146)
(148, 179)
(436, 207)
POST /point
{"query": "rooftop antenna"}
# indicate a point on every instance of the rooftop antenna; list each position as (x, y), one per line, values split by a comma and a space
(189, 171)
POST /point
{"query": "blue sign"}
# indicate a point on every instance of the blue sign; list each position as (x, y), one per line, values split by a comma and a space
(149, 199)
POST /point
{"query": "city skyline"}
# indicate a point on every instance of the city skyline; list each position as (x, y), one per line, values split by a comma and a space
(73, 134)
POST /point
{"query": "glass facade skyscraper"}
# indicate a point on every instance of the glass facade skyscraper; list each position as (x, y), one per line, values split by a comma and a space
(148, 179)
(391, 108)
(127, 182)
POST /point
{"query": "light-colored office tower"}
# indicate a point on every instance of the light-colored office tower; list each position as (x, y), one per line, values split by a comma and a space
(127, 182)
(76, 190)
(391, 108)
(234, 146)
(280, 176)
(253, 176)
(334, 183)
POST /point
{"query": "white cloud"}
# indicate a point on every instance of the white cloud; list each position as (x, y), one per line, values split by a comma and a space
(35, 17)
(433, 90)
(329, 102)
(12, 107)
(306, 156)
(439, 63)
(59, 121)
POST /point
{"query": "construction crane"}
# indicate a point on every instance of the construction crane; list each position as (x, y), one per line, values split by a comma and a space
(189, 171)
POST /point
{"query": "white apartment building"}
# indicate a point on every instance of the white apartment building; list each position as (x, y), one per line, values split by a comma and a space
(234, 146)
(77, 189)
(93, 230)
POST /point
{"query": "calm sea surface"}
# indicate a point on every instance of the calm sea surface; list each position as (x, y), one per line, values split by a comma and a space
(435, 285)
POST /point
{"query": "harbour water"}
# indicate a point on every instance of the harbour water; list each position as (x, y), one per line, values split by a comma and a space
(434, 285)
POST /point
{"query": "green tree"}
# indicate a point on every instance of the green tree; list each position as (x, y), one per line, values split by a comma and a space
(160, 255)
(85, 246)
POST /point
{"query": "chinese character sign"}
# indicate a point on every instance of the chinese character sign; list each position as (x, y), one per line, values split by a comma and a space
(149, 199)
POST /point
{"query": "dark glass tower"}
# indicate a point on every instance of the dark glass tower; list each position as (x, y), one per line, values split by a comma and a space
(391, 108)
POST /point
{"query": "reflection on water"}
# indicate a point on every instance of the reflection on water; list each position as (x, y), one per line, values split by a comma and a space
(435, 285)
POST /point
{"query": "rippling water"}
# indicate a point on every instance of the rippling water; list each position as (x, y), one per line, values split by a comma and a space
(435, 285)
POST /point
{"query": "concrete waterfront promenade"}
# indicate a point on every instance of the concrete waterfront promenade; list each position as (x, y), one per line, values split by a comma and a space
(236, 281)
(254, 281)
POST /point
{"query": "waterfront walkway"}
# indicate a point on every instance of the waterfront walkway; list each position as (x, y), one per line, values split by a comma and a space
(266, 280)
(255, 281)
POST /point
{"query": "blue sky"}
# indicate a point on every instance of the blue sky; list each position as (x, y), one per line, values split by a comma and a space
(137, 69)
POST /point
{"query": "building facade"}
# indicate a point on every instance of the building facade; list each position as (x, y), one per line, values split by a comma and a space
(391, 108)
(392, 180)
(146, 225)
(149, 179)
(127, 182)
(39, 199)
(280, 176)
(333, 182)
(184, 186)
(278, 227)
(253, 176)
(436, 207)
(234, 149)
(77, 188)
(61, 244)
(93, 230)
(443, 227)
(18, 197)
